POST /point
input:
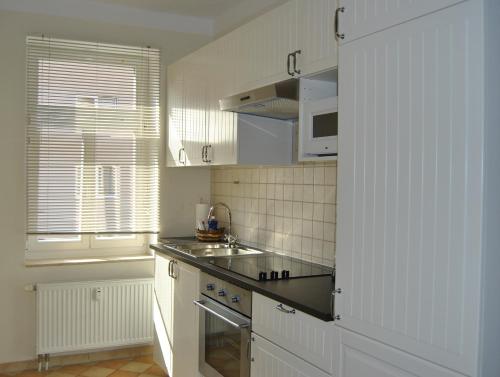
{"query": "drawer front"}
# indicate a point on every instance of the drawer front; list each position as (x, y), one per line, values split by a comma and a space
(269, 360)
(301, 334)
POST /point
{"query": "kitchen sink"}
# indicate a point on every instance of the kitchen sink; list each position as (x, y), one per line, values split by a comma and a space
(200, 250)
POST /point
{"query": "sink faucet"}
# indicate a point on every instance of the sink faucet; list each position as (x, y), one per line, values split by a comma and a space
(230, 238)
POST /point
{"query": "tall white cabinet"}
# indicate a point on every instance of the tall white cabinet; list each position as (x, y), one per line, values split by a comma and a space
(410, 186)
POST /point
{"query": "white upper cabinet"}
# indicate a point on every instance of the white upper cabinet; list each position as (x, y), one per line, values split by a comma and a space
(262, 48)
(175, 109)
(363, 17)
(221, 124)
(195, 92)
(316, 35)
(410, 186)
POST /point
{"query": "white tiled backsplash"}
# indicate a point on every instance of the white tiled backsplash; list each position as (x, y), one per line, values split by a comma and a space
(287, 209)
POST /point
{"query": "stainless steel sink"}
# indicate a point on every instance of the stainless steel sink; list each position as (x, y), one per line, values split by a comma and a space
(201, 250)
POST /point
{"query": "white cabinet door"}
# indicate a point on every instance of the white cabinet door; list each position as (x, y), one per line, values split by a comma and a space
(195, 92)
(186, 321)
(263, 46)
(175, 109)
(269, 360)
(363, 357)
(410, 186)
(316, 35)
(310, 338)
(164, 293)
(222, 124)
(364, 17)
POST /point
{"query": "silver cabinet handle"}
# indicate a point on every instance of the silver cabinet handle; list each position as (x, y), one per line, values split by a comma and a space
(337, 34)
(281, 308)
(182, 151)
(203, 153)
(174, 275)
(207, 160)
(297, 71)
(288, 61)
(201, 304)
(170, 267)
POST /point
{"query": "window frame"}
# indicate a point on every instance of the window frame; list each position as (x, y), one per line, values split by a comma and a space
(92, 245)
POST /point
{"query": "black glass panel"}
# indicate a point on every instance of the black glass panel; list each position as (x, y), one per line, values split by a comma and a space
(325, 125)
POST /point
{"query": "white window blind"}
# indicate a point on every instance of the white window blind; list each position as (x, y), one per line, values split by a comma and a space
(93, 137)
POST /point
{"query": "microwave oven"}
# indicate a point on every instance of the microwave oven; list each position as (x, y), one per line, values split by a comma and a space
(320, 127)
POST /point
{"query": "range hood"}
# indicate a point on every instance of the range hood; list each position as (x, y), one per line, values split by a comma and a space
(278, 101)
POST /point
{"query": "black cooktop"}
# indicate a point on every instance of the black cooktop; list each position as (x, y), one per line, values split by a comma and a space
(271, 267)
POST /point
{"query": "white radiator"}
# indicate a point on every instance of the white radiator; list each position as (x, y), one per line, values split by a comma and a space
(87, 315)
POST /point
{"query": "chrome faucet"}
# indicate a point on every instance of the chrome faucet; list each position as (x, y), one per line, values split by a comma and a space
(230, 238)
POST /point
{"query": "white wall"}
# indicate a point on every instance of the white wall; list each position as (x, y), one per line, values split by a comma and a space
(180, 189)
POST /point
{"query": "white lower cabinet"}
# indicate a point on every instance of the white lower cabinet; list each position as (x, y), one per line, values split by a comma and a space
(363, 357)
(308, 337)
(176, 318)
(269, 360)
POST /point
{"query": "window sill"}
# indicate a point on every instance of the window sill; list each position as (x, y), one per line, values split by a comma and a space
(86, 260)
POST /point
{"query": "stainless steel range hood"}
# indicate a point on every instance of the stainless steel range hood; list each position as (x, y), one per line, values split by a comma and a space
(278, 101)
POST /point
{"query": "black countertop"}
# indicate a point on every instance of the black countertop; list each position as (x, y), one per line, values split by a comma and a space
(311, 295)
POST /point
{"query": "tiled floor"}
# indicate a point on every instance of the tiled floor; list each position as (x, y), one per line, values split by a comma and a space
(143, 366)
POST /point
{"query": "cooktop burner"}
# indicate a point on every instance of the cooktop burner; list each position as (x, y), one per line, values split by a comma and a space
(271, 267)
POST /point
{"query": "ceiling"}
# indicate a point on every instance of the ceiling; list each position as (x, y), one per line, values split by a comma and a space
(197, 8)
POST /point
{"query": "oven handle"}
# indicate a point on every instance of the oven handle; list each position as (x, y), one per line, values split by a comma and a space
(201, 304)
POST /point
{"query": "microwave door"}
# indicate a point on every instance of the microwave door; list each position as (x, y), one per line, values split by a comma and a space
(321, 123)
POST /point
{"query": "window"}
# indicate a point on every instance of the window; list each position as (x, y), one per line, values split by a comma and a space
(92, 145)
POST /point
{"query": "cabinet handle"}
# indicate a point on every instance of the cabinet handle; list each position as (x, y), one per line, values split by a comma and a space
(203, 153)
(174, 275)
(288, 61)
(281, 308)
(337, 34)
(206, 153)
(170, 267)
(297, 71)
(181, 151)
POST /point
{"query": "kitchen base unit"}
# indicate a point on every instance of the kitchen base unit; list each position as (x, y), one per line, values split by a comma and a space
(176, 318)
(269, 360)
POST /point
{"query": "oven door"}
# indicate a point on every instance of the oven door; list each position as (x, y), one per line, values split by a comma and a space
(224, 340)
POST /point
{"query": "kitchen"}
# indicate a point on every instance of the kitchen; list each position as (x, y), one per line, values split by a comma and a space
(339, 156)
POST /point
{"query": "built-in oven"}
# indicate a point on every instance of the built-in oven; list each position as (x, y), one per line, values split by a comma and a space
(225, 328)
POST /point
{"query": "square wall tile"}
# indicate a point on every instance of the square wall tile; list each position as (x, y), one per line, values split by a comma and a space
(288, 209)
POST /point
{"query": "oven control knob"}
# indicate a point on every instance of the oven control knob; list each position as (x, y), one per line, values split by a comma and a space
(221, 292)
(235, 299)
(210, 287)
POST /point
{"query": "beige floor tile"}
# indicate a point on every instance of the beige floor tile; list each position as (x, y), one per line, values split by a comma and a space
(58, 373)
(156, 370)
(123, 373)
(75, 369)
(148, 359)
(30, 373)
(97, 372)
(135, 366)
(114, 364)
